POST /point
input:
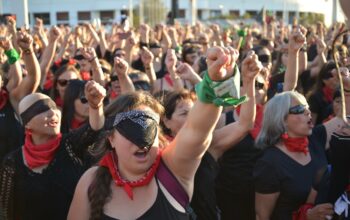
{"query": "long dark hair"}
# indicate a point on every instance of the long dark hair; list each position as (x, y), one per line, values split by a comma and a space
(74, 90)
(325, 73)
(99, 191)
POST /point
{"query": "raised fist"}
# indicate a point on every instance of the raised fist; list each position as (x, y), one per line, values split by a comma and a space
(94, 93)
(24, 40)
(251, 66)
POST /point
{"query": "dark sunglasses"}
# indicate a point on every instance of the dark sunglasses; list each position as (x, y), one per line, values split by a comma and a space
(114, 78)
(63, 82)
(259, 85)
(298, 109)
(264, 58)
(79, 57)
(83, 99)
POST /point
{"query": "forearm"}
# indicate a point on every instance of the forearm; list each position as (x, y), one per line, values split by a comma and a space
(103, 45)
(126, 84)
(31, 82)
(48, 55)
(97, 73)
(248, 110)
(14, 76)
(291, 75)
(303, 62)
(177, 81)
(96, 117)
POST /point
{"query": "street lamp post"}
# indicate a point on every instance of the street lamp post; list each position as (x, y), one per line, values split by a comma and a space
(131, 13)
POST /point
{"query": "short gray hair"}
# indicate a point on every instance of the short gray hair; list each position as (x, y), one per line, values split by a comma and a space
(275, 113)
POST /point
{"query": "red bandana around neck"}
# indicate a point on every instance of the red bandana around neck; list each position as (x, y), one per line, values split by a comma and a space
(110, 161)
(328, 93)
(42, 154)
(4, 96)
(76, 123)
(299, 144)
(258, 120)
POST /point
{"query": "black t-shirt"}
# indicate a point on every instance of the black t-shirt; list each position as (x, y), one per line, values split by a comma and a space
(237, 165)
(320, 106)
(275, 172)
(11, 131)
(204, 199)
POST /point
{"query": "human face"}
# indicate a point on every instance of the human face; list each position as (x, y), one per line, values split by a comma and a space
(115, 84)
(63, 80)
(298, 121)
(46, 123)
(332, 81)
(81, 108)
(179, 116)
(337, 106)
(191, 58)
(265, 58)
(133, 162)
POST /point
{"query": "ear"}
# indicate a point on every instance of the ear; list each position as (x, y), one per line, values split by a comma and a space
(111, 139)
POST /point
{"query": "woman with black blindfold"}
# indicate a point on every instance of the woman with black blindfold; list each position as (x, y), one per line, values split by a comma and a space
(38, 180)
(129, 183)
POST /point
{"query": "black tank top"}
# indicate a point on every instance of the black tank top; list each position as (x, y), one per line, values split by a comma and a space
(161, 209)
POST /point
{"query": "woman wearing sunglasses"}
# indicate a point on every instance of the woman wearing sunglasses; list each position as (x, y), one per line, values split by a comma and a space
(61, 79)
(75, 111)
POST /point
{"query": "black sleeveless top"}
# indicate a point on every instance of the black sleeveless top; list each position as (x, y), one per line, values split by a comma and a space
(161, 209)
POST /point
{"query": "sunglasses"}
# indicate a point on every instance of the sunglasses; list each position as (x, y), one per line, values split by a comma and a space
(114, 78)
(264, 58)
(79, 57)
(259, 85)
(83, 99)
(63, 82)
(298, 109)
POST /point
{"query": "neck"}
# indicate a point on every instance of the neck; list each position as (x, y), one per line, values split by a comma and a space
(79, 117)
(41, 139)
(128, 175)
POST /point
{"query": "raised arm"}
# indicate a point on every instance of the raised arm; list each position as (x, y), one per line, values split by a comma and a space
(147, 58)
(121, 67)
(170, 62)
(296, 41)
(15, 71)
(49, 53)
(30, 83)
(103, 42)
(184, 154)
(89, 54)
(95, 94)
(226, 137)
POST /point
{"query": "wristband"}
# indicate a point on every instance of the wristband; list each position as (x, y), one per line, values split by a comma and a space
(12, 56)
(224, 93)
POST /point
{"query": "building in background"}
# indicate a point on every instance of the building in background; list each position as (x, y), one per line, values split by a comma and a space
(73, 12)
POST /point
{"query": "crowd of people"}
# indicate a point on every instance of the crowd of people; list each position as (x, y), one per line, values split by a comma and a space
(174, 122)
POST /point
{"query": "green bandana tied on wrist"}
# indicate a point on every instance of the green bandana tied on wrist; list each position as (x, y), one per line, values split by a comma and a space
(12, 56)
(224, 93)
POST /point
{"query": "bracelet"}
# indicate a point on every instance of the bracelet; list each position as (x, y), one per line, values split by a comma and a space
(224, 93)
(12, 56)
(27, 51)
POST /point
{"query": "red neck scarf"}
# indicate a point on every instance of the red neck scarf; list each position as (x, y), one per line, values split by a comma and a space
(4, 96)
(113, 95)
(258, 120)
(85, 75)
(42, 154)
(59, 101)
(76, 123)
(328, 93)
(110, 161)
(299, 144)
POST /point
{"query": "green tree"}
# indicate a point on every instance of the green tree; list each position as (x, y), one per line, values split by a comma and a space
(154, 11)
